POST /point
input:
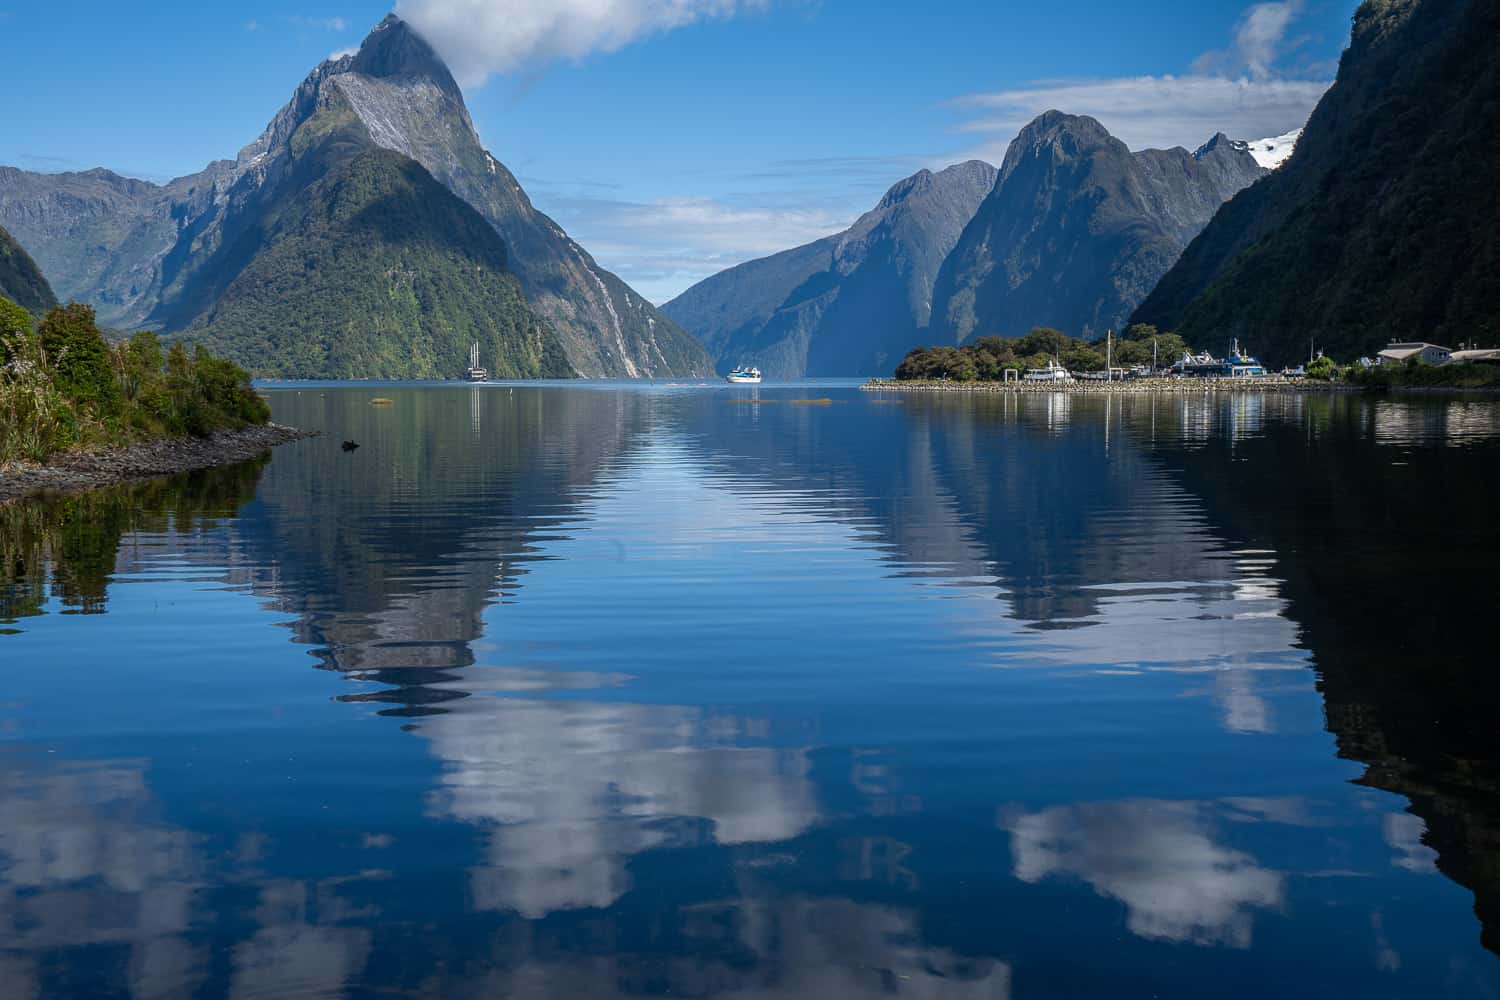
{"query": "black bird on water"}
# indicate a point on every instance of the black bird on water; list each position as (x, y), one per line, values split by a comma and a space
(350, 445)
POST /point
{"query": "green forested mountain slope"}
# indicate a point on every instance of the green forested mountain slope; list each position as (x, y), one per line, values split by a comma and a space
(403, 92)
(364, 266)
(1383, 224)
(21, 280)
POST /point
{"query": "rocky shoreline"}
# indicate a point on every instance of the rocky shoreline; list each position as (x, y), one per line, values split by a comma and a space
(148, 459)
(1175, 387)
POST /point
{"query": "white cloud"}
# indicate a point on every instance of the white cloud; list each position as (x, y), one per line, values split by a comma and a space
(1152, 111)
(1260, 40)
(320, 23)
(1239, 90)
(479, 38)
(1158, 858)
(662, 247)
(303, 23)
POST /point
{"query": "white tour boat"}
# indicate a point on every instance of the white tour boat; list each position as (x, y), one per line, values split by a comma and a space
(1054, 372)
(742, 375)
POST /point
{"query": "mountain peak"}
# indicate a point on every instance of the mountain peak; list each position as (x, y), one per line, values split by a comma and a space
(1049, 125)
(957, 177)
(394, 50)
(1054, 133)
(905, 188)
(1219, 141)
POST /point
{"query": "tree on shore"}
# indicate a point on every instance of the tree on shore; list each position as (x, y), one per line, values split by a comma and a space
(986, 359)
(64, 386)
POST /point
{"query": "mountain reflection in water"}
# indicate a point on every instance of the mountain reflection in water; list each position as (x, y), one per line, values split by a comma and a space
(629, 691)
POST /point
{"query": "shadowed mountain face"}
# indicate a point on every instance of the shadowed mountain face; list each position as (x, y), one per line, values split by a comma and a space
(20, 279)
(1078, 229)
(1382, 224)
(173, 256)
(850, 304)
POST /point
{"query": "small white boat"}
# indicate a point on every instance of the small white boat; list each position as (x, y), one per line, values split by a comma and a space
(742, 375)
(474, 372)
(1054, 372)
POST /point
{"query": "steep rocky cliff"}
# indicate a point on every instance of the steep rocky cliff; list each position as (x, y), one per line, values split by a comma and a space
(1078, 229)
(850, 304)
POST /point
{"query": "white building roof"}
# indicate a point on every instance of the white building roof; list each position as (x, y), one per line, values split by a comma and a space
(1482, 354)
(1400, 352)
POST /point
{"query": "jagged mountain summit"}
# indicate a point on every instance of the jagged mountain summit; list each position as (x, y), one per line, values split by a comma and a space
(1078, 229)
(21, 280)
(404, 94)
(849, 304)
(190, 254)
(1383, 223)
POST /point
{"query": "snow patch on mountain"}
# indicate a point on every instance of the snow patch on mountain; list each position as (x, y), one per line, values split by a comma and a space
(1272, 153)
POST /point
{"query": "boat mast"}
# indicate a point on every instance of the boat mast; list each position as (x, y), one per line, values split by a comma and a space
(1109, 355)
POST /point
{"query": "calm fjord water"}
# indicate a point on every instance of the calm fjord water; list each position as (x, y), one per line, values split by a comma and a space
(608, 691)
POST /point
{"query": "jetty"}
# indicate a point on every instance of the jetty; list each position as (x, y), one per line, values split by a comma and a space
(1137, 386)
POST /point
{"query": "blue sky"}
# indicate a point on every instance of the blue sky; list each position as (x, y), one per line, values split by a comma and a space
(676, 137)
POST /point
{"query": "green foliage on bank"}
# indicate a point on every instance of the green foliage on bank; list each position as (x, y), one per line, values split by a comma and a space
(1322, 368)
(986, 359)
(1417, 374)
(63, 386)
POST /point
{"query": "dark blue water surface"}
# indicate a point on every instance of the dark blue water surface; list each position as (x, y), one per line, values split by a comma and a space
(609, 691)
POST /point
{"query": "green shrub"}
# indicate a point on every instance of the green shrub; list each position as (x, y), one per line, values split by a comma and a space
(1321, 368)
(62, 386)
(987, 359)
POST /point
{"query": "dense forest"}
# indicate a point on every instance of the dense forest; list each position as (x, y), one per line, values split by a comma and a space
(64, 386)
(986, 359)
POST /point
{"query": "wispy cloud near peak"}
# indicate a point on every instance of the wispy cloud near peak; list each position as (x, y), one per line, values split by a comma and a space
(1240, 90)
(480, 38)
(1260, 42)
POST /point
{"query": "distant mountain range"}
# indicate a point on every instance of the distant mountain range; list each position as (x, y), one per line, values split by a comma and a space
(1385, 222)
(366, 233)
(1071, 232)
(849, 304)
(21, 280)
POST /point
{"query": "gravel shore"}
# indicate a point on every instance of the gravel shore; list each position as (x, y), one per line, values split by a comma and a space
(149, 459)
(1177, 387)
